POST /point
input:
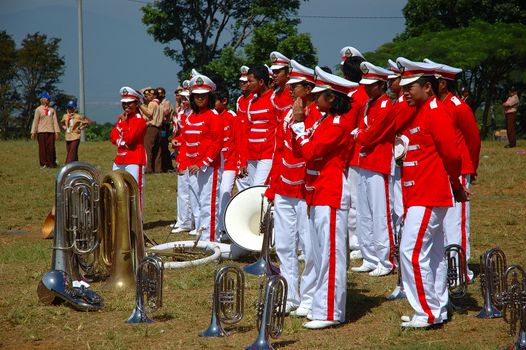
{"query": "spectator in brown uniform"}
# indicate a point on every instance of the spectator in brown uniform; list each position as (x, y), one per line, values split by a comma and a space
(510, 111)
(73, 123)
(154, 119)
(45, 128)
(168, 113)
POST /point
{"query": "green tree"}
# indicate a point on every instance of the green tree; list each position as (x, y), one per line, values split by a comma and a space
(8, 94)
(39, 67)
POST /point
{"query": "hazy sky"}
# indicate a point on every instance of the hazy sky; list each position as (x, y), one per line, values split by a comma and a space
(118, 51)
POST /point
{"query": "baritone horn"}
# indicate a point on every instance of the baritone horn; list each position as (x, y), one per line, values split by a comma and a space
(149, 289)
(228, 300)
(492, 269)
(457, 273)
(271, 312)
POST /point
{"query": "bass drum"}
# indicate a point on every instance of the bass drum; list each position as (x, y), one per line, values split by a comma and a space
(243, 217)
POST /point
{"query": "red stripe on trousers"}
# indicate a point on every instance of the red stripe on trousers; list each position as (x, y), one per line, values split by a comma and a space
(332, 265)
(415, 260)
(389, 223)
(140, 185)
(213, 206)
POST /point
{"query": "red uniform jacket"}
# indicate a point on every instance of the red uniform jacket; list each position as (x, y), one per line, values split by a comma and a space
(359, 99)
(128, 136)
(468, 136)
(282, 101)
(376, 136)
(431, 156)
(403, 113)
(230, 153)
(323, 147)
(202, 139)
(287, 176)
(261, 127)
(241, 137)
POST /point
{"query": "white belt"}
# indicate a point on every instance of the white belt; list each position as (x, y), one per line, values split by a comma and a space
(410, 163)
(192, 155)
(313, 172)
(408, 183)
(193, 132)
(289, 182)
(292, 166)
(257, 140)
(258, 130)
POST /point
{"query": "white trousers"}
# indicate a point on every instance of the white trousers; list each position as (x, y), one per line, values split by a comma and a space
(374, 219)
(423, 264)
(352, 181)
(258, 171)
(330, 255)
(185, 217)
(398, 203)
(204, 196)
(137, 171)
(291, 230)
(456, 225)
(225, 193)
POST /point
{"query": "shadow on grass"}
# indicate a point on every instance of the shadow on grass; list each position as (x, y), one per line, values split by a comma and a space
(282, 344)
(240, 329)
(154, 224)
(358, 304)
(163, 317)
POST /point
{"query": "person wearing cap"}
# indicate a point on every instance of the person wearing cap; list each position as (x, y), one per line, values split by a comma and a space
(281, 99)
(185, 217)
(260, 129)
(350, 67)
(128, 135)
(201, 156)
(510, 111)
(374, 137)
(168, 115)
(242, 180)
(457, 220)
(152, 142)
(73, 123)
(287, 191)
(45, 128)
(430, 178)
(324, 148)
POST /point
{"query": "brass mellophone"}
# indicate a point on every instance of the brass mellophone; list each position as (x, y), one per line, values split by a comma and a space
(457, 273)
(492, 269)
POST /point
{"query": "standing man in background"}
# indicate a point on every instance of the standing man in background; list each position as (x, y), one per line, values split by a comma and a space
(168, 115)
(510, 111)
(45, 128)
(153, 112)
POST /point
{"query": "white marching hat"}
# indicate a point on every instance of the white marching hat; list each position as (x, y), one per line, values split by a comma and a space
(201, 84)
(244, 73)
(412, 71)
(186, 88)
(444, 71)
(328, 81)
(300, 73)
(128, 94)
(278, 60)
(372, 74)
(194, 73)
(349, 51)
(391, 65)
(270, 72)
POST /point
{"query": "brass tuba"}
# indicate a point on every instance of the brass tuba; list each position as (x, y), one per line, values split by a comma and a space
(457, 273)
(492, 269)
(271, 312)
(76, 237)
(122, 240)
(149, 289)
(228, 300)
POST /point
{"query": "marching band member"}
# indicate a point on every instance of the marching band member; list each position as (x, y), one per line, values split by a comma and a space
(430, 175)
(45, 128)
(242, 181)
(73, 123)
(375, 137)
(324, 148)
(261, 127)
(350, 66)
(128, 135)
(456, 223)
(202, 143)
(287, 191)
(230, 154)
(281, 99)
(185, 216)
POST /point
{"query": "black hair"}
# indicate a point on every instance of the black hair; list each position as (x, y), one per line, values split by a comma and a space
(341, 103)
(260, 72)
(429, 79)
(305, 83)
(221, 93)
(451, 85)
(351, 68)
(211, 102)
(326, 69)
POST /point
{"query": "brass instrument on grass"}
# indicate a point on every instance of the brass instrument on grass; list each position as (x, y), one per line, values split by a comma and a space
(398, 292)
(271, 312)
(76, 237)
(149, 289)
(457, 273)
(228, 300)
(122, 240)
(492, 269)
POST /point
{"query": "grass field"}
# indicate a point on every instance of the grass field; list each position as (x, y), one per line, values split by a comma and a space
(27, 194)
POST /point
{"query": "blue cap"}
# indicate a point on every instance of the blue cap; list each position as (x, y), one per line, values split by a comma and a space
(72, 104)
(45, 95)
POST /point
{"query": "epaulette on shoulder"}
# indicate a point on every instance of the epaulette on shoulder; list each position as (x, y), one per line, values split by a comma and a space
(433, 103)
(456, 101)
(232, 112)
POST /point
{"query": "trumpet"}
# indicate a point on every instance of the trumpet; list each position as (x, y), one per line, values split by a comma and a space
(271, 312)
(149, 290)
(493, 267)
(457, 274)
(228, 300)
